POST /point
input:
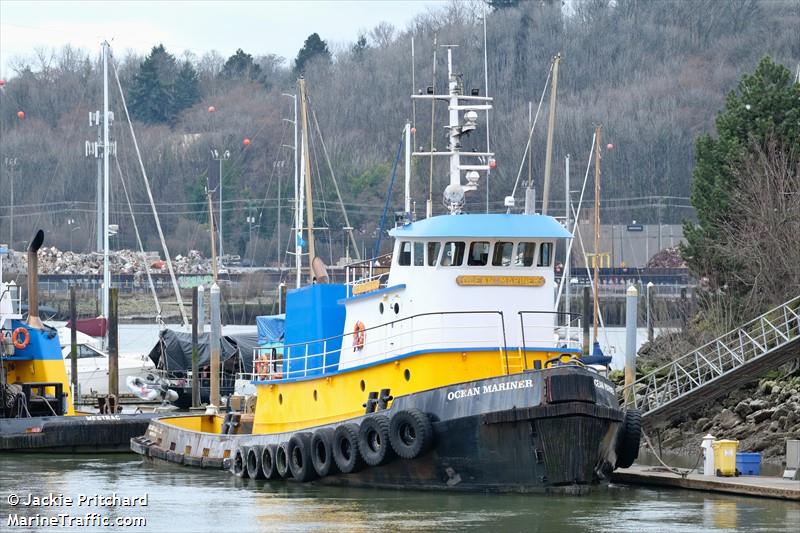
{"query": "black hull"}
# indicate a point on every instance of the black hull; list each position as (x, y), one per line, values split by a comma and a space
(72, 434)
(555, 432)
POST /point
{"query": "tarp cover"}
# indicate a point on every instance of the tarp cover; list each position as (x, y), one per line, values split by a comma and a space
(176, 347)
(270, 328)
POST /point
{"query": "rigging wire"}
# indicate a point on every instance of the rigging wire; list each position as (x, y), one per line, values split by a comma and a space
(335, 183)
(377, 249)
(141, 247)
(150, 195)
(533, 126)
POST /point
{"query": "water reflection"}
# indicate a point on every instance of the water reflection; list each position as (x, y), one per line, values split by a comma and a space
(185, 499)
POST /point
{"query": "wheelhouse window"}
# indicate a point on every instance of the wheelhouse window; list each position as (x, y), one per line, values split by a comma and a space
(545, 254)
(502, 254)
(433, 252)
(453, 254)
(419, 250)
(404, 257)
(525, 253)
(478, 253)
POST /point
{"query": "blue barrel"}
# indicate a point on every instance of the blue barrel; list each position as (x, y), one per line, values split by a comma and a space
(748, 464)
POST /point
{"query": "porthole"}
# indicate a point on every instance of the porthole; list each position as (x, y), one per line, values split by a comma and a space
(315, 395)
(380, 307)
(363, 386)
(407, 375)
(280, 399)
(396, 308)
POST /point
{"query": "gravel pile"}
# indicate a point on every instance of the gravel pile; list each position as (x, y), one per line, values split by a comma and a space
(54, 261)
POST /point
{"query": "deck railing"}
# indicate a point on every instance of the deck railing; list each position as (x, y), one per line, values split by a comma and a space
(439, 331)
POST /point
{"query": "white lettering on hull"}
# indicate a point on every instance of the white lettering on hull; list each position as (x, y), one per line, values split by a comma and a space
(602, 385)
(490, 389)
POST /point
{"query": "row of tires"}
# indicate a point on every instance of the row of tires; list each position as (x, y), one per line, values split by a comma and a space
(348, 448)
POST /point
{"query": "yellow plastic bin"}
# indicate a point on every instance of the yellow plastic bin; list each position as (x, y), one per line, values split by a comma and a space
(725, 456)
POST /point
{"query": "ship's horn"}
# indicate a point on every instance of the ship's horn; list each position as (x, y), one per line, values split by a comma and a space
(33, 281)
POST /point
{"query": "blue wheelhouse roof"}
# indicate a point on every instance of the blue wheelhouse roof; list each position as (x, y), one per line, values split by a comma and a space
(484, 226)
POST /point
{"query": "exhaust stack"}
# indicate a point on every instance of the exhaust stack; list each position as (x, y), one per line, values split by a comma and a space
(33, 281)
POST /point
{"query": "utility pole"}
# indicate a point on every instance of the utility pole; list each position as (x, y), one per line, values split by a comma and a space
(597, 132)
(220, 157)
(94, 149)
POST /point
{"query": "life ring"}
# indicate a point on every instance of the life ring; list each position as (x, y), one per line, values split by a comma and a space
(26, 338)
(262, 366)
(359, 336)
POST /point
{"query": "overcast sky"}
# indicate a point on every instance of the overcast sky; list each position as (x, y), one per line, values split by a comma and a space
(257, 26)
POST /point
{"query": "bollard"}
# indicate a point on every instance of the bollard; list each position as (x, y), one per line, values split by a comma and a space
(631, 314)
(215, 345)
(708, 455)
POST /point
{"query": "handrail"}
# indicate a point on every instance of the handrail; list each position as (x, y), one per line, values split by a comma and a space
(726, 353)
(262, 357)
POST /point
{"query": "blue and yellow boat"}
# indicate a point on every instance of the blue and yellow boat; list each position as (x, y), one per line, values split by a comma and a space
(444, 371)
(37, 412)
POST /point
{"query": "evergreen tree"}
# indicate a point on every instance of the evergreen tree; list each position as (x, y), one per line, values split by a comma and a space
(314, 48)
(187, 88)
(359, 47)
(152, 94)
(241, 65)
(503, 4)
(765, 105)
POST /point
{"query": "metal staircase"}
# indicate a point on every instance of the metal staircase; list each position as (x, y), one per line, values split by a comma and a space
(735, 358)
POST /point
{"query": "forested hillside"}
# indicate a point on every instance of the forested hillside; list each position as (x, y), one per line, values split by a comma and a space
(653, 73)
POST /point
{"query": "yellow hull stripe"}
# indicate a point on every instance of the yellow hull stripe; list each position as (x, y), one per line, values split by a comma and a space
(293, 405)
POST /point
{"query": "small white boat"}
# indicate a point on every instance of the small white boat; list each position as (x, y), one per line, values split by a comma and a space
(93, 364)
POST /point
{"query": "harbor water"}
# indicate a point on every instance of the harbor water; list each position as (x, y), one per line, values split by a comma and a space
(183, 499)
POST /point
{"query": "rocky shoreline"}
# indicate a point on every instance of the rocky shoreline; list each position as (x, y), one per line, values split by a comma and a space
(761, 416)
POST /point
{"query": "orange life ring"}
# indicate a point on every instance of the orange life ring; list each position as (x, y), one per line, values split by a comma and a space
(26, 338)
(359, 336)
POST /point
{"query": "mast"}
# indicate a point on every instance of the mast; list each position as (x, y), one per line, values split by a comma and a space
(566, 271)
(307, 169)
(407, 202)
(530, 193)
(454, 192)
(548, 159)
(597, 132)
(429, 203)
(486, 93)
(298, 224)
(106, 273)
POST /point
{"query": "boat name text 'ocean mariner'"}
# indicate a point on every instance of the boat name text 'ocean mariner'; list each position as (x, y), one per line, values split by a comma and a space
(488, 389)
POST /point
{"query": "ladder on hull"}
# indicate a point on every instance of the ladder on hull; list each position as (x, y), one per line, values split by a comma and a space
(718, 367)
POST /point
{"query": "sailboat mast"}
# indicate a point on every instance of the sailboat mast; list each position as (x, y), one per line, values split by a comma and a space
(596, 265)
(106, 273)
(307, 171)
(548, 158)
(298, 224)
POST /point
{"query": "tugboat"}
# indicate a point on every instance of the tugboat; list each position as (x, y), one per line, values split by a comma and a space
(447, 373)
(36, 403)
